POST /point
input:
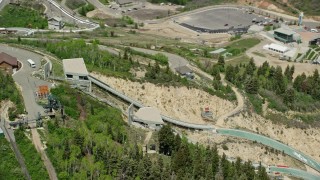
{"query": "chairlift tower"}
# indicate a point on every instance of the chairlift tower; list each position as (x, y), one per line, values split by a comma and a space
(300, 19)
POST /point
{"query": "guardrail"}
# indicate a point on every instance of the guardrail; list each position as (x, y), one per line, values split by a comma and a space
(139, 105)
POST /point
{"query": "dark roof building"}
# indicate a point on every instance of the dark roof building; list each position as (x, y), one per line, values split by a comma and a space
(8, 63)
(285, 35)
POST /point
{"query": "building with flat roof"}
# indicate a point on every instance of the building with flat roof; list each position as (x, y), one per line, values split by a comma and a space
(149, 116)
(76, 73)
(276, 48)
(286, 35)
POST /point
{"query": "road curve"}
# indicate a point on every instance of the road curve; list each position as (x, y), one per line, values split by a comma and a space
(28, 86)
(295, 172)
(272, 143)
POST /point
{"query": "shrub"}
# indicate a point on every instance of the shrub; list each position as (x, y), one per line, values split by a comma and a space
(225, 147)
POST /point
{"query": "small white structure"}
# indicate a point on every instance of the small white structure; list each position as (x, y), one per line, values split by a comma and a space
(276, 48)
(55, 23)
(149, 116)
(76, 73)
(217, 52)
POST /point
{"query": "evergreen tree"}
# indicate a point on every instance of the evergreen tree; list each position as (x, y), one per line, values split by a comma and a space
(289, 97)
(252, 86)
(166, 140)
(230, 73)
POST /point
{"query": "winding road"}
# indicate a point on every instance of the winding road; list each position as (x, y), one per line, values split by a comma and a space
(28, 86)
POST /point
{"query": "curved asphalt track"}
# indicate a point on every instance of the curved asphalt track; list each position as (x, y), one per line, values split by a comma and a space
(272, 143)
(295, 172)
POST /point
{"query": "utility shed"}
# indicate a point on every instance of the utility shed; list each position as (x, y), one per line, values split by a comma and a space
(55, 23)
(76, 73)
(218, 51)
(149, 116)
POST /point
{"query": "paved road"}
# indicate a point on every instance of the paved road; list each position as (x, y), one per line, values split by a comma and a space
(272, 143)
(24, 79)
(174, 60)
(295, 172)
(29, 85)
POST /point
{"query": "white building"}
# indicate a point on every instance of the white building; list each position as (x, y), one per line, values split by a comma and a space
(149, 116)
(55, 23)
(276, 48)
(76, 73)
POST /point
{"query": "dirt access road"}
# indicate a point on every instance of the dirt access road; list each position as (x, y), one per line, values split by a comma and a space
(10, 137)
(240, 98)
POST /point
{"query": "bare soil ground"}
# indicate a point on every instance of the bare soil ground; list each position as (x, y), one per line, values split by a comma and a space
(177, 102)
(173, 30)
(148, 14)
(99, 14)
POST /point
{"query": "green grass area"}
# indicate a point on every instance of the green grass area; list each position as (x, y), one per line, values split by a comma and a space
(259, 54)
(57, 68)
(245, 43)
(275, 102)
(311, 55)
(309, 7)
(105, 2)
(32, 158)
(256, 102)
(240, 46)
(308, 53)
(299, 54)
(9, 91)
(18, 16)
(243, 59)
(9, 166)
(194, 4)
(75, 4)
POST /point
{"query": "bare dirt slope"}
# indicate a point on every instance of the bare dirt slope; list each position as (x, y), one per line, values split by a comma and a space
(173, 30)
(177, 102)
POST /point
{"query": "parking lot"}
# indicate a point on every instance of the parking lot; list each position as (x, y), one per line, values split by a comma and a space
(222, 18)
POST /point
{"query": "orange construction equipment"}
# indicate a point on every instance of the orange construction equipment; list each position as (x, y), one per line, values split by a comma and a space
(43, 91)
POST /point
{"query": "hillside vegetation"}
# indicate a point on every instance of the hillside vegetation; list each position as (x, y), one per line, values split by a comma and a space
(309, 7)
(9, 166)
(93, 142)
(9, 91)
(18, 16)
